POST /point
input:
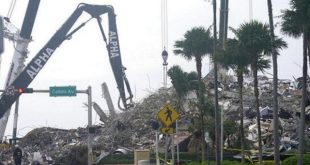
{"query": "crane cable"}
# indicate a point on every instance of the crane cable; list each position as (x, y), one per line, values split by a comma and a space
(164, 37)
(11, 9)
(164, 25)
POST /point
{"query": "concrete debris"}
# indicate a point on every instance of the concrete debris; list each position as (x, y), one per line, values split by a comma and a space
(133, 129)
(121, 133)
(289, 95)
(103, 117)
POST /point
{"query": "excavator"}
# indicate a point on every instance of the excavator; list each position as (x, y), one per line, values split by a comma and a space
(22, 81)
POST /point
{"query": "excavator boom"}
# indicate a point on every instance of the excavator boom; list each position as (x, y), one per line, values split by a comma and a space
(37, 63)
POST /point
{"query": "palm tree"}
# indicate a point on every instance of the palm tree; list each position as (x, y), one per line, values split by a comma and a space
(296, 22)
(254, 39)
(196, 44)
(218, 159)
(275, 87)
(234, 58)
(182, 82)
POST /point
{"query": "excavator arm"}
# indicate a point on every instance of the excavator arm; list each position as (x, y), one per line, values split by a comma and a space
(23, 80)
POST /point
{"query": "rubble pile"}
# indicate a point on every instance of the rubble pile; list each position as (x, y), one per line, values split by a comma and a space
(289, 95)
(132, 129)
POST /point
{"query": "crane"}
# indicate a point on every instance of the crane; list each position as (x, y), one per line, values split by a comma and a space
(22, 38)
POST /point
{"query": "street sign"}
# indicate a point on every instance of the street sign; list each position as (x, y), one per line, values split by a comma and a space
(167, 130)
(167, 115)
(62, 91)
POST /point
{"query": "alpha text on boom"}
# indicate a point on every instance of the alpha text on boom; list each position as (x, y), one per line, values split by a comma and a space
(39, 62)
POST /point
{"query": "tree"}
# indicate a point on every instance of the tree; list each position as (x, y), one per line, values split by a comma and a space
(182, 82)
(296, 22)
(234, 58)
(254, 40)
(218, 159)
(196, 44)
(275, 87)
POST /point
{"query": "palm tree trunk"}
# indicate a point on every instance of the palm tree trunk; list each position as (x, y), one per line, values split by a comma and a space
(308, 43)
(240, 84)
(217, 123)
(301, 130)
(257, 113)
(201, 107)
(222, 21)
(217, 117)
(275, 88)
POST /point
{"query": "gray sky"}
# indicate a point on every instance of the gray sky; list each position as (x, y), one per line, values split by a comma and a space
(83, 60)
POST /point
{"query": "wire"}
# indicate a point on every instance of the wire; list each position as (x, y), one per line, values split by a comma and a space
(11, 9)
(164, 35)
(164, 24)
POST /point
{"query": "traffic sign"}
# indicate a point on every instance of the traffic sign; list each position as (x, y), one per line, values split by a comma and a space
(167, 130)
(62, 91)
(167, 115)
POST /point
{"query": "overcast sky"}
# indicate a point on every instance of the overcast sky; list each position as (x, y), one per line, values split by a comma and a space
(83, 60)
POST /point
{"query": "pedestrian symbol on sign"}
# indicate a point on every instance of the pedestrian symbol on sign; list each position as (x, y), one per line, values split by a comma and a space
(167, 115)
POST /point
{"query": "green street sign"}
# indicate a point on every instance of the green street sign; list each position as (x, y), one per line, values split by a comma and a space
(62, 91)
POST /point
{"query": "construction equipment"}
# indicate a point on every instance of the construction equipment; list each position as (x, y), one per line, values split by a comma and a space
(21, 39)
(23, 80)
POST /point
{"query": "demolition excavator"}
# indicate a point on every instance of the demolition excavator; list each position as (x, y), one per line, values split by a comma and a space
(22, 81)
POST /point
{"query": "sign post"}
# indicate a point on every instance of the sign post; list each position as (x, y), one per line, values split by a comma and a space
(90, 134)
(168, 115)
(71, 91)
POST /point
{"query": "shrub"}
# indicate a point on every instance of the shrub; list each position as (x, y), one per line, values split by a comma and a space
(118, 159)
(294, 160)
(225, 162)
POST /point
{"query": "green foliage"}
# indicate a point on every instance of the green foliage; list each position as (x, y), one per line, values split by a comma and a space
(196, 163)
(230, 127)
(296, 19)
(253, 37)
(118, 159)
(197, 42)
(210, 127)
(254, 41)
(182, 81)
(225, 162)
(233, 56)
(268, 162)
(293, 160)
(77, 155)
(229, 162)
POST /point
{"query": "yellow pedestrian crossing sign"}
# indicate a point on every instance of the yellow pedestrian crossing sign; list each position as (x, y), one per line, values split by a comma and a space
(166, 130)
(167, 115)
